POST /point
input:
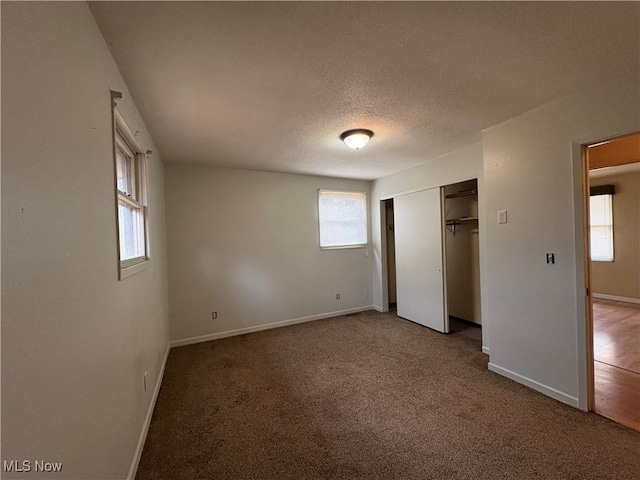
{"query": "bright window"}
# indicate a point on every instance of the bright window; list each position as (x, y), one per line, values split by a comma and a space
(601, 224)
(343, 219)
(131, 192)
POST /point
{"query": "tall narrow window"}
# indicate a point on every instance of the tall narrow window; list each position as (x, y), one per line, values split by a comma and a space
(601, 225)
(343, 219)
(131, 192)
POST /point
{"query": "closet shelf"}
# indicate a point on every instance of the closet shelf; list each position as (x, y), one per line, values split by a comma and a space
(453, 223)
(463, 193)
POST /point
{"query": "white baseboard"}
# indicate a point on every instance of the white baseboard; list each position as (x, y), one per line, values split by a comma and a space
(485, 350)
(267, 326)
(379, 309)
(616, 298)
(550, 392)
(147, 420)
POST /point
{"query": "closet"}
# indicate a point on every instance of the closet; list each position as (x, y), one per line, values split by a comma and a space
(462, 251)
(436, 260)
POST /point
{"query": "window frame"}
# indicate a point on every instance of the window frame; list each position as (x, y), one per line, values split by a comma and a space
(124, 140)
(605, 225)
(365, 196)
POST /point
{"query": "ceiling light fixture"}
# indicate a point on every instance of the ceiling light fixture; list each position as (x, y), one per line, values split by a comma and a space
(357, 138)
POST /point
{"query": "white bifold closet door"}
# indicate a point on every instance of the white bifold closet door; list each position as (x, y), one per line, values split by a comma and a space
(420, 280)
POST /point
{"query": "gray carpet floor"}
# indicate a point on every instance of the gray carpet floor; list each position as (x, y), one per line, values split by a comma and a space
(367, 397)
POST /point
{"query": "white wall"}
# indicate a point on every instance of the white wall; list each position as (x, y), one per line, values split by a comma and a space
(75, 340)
(245, 244)
(454, 167)
(533, 169)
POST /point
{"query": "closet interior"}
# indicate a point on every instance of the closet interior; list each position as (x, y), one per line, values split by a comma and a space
(462, 252)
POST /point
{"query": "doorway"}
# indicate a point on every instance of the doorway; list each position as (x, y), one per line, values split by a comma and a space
(613, 277)
(391, 254)
(462, 253)
(431, 246)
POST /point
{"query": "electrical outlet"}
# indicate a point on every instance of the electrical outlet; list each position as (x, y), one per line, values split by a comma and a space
(214, 315)
(366, 294)
(146, 373)
(502, 216)
(337, 296)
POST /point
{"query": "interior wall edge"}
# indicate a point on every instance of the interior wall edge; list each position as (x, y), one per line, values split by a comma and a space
(147, 420)
(539, 387)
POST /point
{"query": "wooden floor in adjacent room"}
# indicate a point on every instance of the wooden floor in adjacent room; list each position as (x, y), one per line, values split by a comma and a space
(616, 343)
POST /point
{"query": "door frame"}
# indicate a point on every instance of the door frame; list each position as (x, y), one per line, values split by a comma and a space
(388, 271)
(586, 355)
(588, 306)
(383, 253)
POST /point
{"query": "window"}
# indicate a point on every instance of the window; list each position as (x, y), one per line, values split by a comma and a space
(343, 219)
(601, 224)
(131, 193)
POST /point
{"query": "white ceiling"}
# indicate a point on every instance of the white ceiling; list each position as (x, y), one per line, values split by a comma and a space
(271, 86)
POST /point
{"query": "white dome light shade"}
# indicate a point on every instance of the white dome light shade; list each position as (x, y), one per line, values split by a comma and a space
(356, 139)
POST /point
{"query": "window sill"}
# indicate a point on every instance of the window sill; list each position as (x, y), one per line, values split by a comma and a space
(343, 247)
(126, 272)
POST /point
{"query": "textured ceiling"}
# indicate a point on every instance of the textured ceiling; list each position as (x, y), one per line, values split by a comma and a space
(270, 86)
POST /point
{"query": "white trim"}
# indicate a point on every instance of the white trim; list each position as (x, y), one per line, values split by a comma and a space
(549, 391)
(388, 196)
(379, 309)
(342, 247)
(129, 262)
(615, 170)
(486, 350)
(582, 270)
(266, 326)
(616, 298)
(137, 199)
(443, 261)
(147, 421)
(342, 192)
(126, 272)
(384, 261)
(123, 197)
(125, 131)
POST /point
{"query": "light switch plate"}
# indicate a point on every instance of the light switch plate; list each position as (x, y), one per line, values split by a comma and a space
(502, 216)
